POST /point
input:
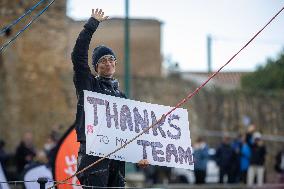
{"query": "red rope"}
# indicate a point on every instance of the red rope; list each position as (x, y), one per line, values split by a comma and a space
(189, 96)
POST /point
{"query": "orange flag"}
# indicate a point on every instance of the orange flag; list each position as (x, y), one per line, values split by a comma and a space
(65, 164)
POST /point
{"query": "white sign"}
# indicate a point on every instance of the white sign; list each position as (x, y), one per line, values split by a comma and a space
(111, 121)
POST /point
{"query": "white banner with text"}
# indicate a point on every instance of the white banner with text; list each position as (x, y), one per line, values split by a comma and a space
(111, 121)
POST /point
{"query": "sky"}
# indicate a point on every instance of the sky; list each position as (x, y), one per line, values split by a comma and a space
(187, 23)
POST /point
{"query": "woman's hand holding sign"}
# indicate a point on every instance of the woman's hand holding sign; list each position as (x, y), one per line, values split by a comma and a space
(143, 163)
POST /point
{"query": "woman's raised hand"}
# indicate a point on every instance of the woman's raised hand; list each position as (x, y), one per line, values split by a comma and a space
(99, 15)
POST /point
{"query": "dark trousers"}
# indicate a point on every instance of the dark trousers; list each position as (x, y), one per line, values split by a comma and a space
(228, 172)
(244, 176)
(199, 176)
(107, 173)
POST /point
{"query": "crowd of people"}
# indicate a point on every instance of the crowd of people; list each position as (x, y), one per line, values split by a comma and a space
(240, 160)
(26, 155)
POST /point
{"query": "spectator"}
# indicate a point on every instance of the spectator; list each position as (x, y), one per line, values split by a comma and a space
(200, 160)
(224, 157)
(3, 156)
(236, 159)
(50, 148)
(256, 168)
(25, 151)
(35, 169)
(279, 166)
(245, 159)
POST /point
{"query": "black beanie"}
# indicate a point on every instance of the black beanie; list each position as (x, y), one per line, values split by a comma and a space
(99, 52)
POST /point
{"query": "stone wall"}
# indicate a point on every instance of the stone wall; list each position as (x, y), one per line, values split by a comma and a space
(33, 74)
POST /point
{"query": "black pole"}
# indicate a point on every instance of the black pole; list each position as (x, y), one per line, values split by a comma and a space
(42, 181)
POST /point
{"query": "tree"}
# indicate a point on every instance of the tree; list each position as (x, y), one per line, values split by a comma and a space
(267, 77)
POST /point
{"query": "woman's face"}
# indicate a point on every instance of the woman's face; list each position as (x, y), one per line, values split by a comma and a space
(106, 66)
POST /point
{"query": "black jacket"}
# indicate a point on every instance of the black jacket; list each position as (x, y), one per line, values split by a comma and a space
(224, 156)
(257, 155)
(83, 78)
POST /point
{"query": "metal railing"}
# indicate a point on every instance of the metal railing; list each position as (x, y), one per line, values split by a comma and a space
(43, 182)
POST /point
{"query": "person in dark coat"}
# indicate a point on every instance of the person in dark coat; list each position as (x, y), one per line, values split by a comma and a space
(257, 162)
(108, 173)
(224, 158)
(25, 152)
(236, 161)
